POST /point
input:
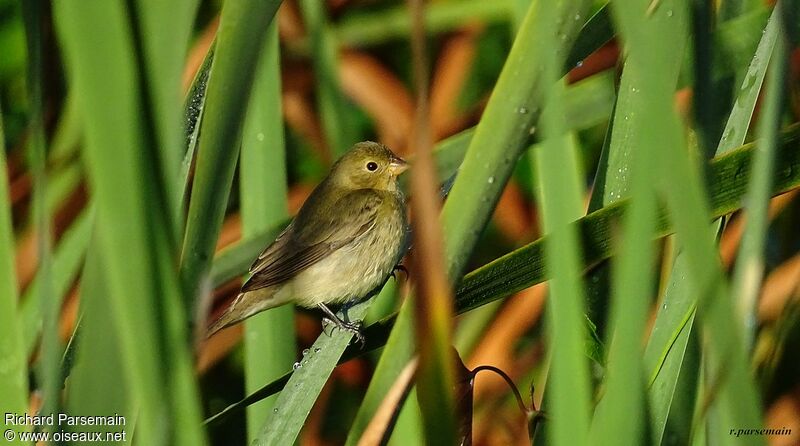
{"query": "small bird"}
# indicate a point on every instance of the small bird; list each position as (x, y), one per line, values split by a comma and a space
(344, 243)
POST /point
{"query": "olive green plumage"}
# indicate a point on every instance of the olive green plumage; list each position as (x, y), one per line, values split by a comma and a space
(343, 244)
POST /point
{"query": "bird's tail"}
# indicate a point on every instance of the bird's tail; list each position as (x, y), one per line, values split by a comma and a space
(226, 319)
(244, 306)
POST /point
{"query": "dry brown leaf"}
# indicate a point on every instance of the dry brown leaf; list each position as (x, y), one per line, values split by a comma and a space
(218, 346)
(604, 58)
(450, 74)
(782, 284)
(27, 258)
(20, 188)
(729, 242)
(375, 430)
(290, 22)
(382, 96)
(69, 315)
(231, 231)
(300, 116)
(512, 214)
(497, 345)
(785, 414)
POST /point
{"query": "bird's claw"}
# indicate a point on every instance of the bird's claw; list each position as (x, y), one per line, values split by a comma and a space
(351, 327)
(399, 268)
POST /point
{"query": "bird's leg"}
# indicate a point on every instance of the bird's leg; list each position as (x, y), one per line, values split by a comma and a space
(352, 327)
(399, 267)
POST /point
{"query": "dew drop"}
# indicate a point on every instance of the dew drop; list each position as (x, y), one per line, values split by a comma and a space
(296, 366)
(522, 110)
(532, 130)
(490, 180)
(305, 352)
(275, 410)
(317, 349)
(579, 64)
(260, 136)
(669, 13)
(577, 17)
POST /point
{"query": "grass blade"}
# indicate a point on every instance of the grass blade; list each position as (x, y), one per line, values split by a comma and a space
(620, 415)
(48, 366)
(739, 119)
(374, 28)
(432, 299)
(164, 30)
(240, 38)
(671, 338)
(686, 199)
(560, 204)
(14, 373)
(66, 264)
(133, 220)
(192, 114)
(401, 343)
(302, 388)
(749, 269)
(269, 344)
(92, 389)
(325, 56)
(504, 129)
(671, 358)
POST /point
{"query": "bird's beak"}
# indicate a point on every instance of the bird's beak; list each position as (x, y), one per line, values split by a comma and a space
(397, 166)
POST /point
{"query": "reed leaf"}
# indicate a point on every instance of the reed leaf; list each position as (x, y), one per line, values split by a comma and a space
(14, 372)
(749, 269)
(132, 218)
(47, 368)
(637, 127)
(240, 38)
(269, 338)
(671, 353)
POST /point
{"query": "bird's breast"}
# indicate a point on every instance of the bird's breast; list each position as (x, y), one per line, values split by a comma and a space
(357, 268)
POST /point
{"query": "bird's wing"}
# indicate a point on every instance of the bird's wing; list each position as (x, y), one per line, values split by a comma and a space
(273, 251)
(308, 242)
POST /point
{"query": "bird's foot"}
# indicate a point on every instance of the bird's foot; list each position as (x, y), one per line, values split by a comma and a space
(397, 268)
(351, 327)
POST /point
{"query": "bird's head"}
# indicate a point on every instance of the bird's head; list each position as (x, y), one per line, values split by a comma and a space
(368, 165)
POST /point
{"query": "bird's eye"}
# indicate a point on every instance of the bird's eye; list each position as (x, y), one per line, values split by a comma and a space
(372, 166)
